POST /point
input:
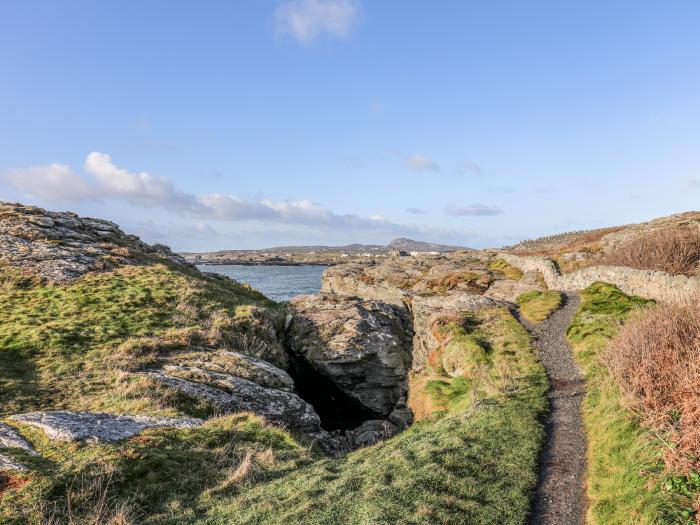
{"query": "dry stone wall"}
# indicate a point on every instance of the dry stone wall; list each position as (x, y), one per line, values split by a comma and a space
(660, 286)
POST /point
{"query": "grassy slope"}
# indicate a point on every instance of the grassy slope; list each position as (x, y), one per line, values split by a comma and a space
(625, 475)
(537, 306)
(472, 461)
(55, 341)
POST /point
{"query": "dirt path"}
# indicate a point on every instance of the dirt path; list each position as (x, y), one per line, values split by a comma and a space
(560, 498)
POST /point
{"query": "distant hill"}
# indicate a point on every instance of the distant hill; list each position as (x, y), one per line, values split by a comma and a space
(409, 245)
(284, 255)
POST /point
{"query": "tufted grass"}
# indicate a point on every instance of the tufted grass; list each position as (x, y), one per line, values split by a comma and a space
(55, 340)
(625, 479)
(475, 466)
(160, 476)
(508, 271)
(473, 460)
(537, 306)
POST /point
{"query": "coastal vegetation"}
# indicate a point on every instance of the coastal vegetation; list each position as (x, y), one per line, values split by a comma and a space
(508, 271)
(536, 306)
(627, 480)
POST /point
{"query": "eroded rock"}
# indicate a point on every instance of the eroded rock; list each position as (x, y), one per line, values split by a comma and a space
(362, 346)
(97, 427)
(11, 438)
(237, 364)
(7, 463)
(61, 246)
(230, 394)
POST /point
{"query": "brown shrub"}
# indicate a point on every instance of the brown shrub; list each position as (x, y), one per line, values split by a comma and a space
(553, 245)
(655, 359)
(674, 251)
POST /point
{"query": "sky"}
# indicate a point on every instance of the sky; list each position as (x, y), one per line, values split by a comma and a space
(216, 124)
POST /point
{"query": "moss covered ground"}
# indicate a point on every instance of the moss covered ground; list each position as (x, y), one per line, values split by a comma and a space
(537, 306)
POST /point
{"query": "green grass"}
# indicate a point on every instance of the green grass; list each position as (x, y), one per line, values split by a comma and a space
(508, 271)
(473, 460)
(161, 476)
(537, 306)
(56, 340)
(472, 467)
(625, 479)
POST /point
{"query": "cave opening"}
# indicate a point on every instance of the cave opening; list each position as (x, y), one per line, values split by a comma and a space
(337, 410)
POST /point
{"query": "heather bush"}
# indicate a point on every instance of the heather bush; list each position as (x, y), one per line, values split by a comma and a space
(674, 251)
(655, 359)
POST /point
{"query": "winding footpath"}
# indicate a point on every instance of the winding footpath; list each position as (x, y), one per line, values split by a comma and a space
(560, 498)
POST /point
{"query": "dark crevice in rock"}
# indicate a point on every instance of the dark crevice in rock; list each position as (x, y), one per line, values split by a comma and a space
(337, 410)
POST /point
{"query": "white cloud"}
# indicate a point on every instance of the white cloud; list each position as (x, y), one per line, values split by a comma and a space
(307, 20)
(56, 182)
(138, 188)
(474, 210)
(105, 180)
(416, 211)
(421, 163)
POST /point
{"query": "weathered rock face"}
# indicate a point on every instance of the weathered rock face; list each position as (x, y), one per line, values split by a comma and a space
(363, 346)
(509, 289)
(228, 394)
(63, 246)
(396, 279)
(236, 364)
(64, 425)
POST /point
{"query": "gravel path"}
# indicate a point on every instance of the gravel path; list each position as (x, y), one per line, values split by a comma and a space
(560, 496)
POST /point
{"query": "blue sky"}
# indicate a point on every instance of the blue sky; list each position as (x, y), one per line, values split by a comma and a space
(211, 125)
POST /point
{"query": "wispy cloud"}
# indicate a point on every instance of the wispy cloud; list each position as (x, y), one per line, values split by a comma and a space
(106, 180)
(544, 189)
(421, 163)
(635, 196)
(474, 210)
(502, 189)
(416, 211)
(471, 168)
(692, 184)
(307, 20)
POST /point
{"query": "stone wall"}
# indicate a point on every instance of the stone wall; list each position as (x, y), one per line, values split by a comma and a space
(660, 286)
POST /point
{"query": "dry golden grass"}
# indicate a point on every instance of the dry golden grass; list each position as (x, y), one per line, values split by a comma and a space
(675, 251)
(655, 359)
(555, 245)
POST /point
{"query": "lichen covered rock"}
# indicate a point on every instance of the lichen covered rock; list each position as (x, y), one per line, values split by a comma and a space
(61, 246)
(363, 346)
(97, 427)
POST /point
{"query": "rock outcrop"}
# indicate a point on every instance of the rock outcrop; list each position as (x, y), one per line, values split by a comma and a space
(363, 346)
(97, 427)
(228, 394)
(10, 438)
(228, 362)
(397, 279)
(61, 246)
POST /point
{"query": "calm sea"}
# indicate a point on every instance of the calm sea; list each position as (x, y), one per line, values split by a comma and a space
(279, 283)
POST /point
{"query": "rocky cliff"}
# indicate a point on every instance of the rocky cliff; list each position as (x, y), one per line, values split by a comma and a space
(61, 246)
